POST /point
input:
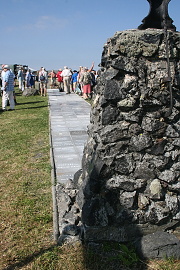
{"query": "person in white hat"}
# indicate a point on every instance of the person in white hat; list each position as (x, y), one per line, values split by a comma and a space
(8, 88)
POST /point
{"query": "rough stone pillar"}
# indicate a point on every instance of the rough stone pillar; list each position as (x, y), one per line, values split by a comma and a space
(131, 163)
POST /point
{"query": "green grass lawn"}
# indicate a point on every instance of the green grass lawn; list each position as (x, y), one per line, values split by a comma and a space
(26, 207)
(26, 200)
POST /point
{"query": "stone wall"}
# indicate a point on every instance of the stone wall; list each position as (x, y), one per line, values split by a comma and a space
(131, 162)
(129, 185)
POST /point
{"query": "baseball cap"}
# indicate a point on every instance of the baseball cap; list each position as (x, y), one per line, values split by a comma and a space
(6, 66)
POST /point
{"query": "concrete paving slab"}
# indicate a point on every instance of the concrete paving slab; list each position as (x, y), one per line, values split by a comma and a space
(69, 118)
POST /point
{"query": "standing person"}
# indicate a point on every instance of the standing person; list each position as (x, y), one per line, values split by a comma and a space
(28, 78)
(81, 70)
(2, 73)
(8, 88)
(60, 80)
(32, 80)
(20, 77)
(81, 78)
(43, 78)
(52, 75)
(2, 78)
(66, 74)
(86, 80)
(74, 79)
(93, 83)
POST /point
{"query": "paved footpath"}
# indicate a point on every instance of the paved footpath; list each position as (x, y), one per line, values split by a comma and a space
(69, 118)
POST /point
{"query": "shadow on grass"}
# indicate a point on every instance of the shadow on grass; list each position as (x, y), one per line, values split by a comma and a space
(108, 256)
(32, 102)
(29, 259)
(19, 109)
(29, 108)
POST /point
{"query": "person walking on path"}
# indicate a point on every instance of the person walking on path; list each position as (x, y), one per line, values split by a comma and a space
(8, 88)
(93, 83)
(66, 74)
(80, 72)
(86, 80)
(43, 78)
(60, 80)
(74, 80)
(52, 75)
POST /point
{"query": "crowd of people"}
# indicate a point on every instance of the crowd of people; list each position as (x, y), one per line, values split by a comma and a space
(68, 80)
(81, 82)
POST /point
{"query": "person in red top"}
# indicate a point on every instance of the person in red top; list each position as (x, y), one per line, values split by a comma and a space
(60, 80)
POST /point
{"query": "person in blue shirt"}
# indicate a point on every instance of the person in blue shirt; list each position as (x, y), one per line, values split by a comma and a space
(8, 88)
(74, 80)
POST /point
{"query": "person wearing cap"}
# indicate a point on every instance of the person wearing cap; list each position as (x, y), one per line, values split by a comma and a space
(66, 74)
(60, 80)
(8, 88)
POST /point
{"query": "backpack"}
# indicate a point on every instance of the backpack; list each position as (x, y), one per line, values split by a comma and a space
(87, 78)
(42, 78)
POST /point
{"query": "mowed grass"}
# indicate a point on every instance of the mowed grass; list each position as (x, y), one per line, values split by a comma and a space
(26, 201)
(25, 184)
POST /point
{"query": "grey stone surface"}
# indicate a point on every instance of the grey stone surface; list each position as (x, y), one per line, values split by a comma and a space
(69, 118)
(30, 92)
(159, 245)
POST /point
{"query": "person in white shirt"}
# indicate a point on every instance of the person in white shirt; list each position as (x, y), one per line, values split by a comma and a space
(8, 88)
(66, 74)
(20, 77)
(2, 74)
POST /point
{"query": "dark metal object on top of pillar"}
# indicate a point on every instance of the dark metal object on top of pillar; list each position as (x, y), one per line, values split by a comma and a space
(157, 14)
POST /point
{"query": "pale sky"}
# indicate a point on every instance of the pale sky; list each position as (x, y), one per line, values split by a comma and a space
(55, 33)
